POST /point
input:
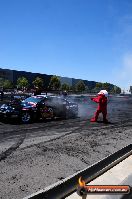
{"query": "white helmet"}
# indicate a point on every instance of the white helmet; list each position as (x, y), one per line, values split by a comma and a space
(104, 92)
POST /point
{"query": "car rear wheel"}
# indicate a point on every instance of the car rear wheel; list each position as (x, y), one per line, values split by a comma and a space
(51, 111)
(26, 117)
(48, 112)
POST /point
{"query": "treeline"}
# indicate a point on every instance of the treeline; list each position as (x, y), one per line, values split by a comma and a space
(55, 85)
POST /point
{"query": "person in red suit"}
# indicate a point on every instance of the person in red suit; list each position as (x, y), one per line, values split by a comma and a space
(101, 99)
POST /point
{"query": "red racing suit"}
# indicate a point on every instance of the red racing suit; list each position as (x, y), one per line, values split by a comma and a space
(102, 107)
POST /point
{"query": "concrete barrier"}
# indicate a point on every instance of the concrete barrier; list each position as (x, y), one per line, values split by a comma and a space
(66, 187)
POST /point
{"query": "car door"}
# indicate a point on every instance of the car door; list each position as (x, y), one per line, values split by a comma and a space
(55, 104)
(61, 106)
(46, 110)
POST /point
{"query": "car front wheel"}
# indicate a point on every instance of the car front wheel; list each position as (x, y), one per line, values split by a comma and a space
(25, 117)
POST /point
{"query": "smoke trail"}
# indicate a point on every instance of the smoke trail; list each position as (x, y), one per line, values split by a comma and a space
(86, 107)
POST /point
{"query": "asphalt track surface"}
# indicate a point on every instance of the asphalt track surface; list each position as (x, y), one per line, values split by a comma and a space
(33, 156)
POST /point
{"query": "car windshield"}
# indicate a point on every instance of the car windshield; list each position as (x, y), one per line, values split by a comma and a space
(33, 99)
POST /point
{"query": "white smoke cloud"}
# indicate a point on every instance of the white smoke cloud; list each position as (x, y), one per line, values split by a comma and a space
(125, 72)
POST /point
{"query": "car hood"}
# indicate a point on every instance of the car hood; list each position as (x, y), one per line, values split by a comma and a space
(28, 104)
(13, 105)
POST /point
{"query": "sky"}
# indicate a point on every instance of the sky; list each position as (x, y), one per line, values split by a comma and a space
(83, 39)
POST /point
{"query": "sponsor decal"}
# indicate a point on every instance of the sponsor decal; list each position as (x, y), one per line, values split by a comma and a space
(84, 189)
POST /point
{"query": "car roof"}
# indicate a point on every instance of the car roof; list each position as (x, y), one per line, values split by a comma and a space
(57, 97)
(50, 97)
(40, 96)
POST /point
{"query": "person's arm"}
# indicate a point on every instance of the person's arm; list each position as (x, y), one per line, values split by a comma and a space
(96, 99)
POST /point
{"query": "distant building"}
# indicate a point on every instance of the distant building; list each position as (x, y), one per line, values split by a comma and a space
(6, 74)
(13, 75)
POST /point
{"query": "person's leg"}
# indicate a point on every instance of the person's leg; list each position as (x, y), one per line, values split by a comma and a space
(94, 119)
(104, 116)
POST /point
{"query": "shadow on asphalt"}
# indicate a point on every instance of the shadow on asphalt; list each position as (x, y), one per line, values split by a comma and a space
(17, 122)
(106, 122)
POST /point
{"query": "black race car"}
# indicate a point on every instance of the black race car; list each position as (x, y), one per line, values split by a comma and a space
(62, 107)
(38, 107)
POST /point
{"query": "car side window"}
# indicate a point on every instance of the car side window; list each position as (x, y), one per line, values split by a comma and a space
(41, 102)
(47, 101)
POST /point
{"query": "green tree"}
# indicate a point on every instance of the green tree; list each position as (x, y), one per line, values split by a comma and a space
(106, 86)
(7, 84)
(115, 89)
(38, 82)
(87, 89)
(55, 83)
(73, 88)
(65, 87)
(22, 82)
(80, 86)
(95, 90)
(1, 82)
(99, 85)
(118, 90)
(112, 91)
